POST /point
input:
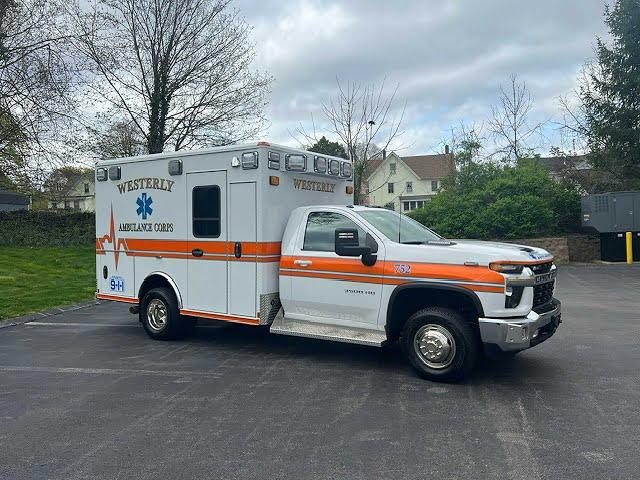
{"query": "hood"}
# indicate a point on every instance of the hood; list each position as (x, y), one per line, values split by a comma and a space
(504, 251)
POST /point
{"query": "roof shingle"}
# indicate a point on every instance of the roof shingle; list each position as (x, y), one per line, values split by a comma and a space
(431, 166)
(13, 198)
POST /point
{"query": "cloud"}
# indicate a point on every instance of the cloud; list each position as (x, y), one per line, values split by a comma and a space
(447, 56)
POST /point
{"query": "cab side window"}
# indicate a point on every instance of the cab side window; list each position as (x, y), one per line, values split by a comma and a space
(319, 235)
(206, 211)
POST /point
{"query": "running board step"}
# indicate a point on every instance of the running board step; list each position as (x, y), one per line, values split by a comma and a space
(299, 328)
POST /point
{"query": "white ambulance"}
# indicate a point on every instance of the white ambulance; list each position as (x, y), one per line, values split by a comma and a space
(262, 234)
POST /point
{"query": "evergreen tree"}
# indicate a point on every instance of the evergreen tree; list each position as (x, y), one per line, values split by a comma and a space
(328, 148)
(611, 97)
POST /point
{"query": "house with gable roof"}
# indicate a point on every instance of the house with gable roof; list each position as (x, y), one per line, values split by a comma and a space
(406, 183)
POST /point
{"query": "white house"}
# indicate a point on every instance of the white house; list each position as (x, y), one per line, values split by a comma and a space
(72, 189)
(407, 182)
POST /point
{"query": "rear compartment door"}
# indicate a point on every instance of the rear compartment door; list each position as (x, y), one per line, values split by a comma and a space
(207, 242)
(243, 249)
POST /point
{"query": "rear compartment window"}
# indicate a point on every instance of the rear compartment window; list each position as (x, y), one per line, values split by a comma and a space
(206, 211)
(321, 227)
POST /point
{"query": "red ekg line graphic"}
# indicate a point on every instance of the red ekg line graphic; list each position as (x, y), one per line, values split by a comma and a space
(111, 238)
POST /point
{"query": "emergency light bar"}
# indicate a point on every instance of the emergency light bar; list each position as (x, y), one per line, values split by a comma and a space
(320, 164)
(296, 163)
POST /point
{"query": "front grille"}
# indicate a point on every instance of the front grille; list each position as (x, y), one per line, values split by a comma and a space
(543, 293)
(541, 268)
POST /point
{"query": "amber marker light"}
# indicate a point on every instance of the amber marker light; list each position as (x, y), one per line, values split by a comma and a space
(349, 190)
(273, 180)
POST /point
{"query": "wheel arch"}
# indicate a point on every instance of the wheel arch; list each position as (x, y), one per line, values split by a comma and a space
(159, 279)
(406, 300)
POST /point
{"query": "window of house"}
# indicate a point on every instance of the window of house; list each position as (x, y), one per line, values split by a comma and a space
(67, 204)
(392, 169)
(320, 233)
(411, 205)
(390, 187)
(434, 185)
(206, 211)
(76, 204)
(86, 188)
(409, 187)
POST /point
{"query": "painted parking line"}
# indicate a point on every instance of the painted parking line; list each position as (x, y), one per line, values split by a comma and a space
(79, 324)
(108, 371)
(86, 324)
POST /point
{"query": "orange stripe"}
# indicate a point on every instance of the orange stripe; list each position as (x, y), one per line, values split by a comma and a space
(418, 270)
(385, 281)
(185, 247)
(221, 316)
(453, 272)
(340, 265)
(258, 248)
(116, 298)
(333, 276)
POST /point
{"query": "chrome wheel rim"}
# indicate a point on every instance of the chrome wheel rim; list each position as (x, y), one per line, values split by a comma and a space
(434, 345)
(157, 314)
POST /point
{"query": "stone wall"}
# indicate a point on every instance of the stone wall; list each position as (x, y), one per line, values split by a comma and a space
(572, 248)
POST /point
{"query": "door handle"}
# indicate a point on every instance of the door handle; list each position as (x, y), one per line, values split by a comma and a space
(237, 250)
(196, 252)
(303, 263)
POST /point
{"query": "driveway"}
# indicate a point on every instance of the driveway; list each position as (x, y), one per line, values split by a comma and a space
(87, 394)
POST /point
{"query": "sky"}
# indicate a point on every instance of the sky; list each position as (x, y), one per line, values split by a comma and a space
(448, 59)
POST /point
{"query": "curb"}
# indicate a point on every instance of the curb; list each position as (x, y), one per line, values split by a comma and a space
(9, 322)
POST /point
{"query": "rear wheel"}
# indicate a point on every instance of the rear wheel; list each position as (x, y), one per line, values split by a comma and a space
(160, 316)
(439, 344)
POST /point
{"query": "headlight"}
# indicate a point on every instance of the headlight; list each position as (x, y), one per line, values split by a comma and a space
(506, 267)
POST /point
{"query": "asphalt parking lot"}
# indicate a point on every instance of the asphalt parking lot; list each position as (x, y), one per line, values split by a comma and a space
(88, 395)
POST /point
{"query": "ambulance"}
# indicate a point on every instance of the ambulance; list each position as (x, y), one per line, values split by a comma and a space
(262, 234)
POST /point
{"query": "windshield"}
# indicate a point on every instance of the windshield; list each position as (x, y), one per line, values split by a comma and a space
(398, 228)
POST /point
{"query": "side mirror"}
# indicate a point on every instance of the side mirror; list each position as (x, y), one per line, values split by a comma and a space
(347, 245)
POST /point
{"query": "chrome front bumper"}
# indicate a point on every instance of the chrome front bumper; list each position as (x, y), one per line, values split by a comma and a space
(513, 334)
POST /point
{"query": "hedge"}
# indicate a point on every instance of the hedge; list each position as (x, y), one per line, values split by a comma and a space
(489, 201)
(47, 229)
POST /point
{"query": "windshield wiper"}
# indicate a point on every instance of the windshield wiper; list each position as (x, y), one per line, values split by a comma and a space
(412, 243)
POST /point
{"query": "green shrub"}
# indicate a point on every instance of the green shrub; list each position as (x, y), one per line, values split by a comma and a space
(47, 229)
(487, 201)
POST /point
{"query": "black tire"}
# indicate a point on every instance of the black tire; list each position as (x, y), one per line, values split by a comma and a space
(164, 300)
(459, 351)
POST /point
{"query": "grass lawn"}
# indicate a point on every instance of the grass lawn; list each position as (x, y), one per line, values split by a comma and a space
(34, 279)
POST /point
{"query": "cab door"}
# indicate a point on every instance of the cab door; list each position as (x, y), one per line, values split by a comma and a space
(339, 290)
(207, 242)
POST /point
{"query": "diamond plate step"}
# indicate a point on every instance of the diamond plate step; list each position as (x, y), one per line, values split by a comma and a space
(298, 328)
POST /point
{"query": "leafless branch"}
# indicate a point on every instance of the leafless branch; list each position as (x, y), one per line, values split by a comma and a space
(180, 71)
(510, 122)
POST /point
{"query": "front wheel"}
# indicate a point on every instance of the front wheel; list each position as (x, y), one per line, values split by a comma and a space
(440, 345)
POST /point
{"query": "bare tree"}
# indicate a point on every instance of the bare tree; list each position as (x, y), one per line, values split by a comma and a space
(362, 117)
(180, 70)
(467, 142)
(511, 123)
(35, 80)
(120, 139)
